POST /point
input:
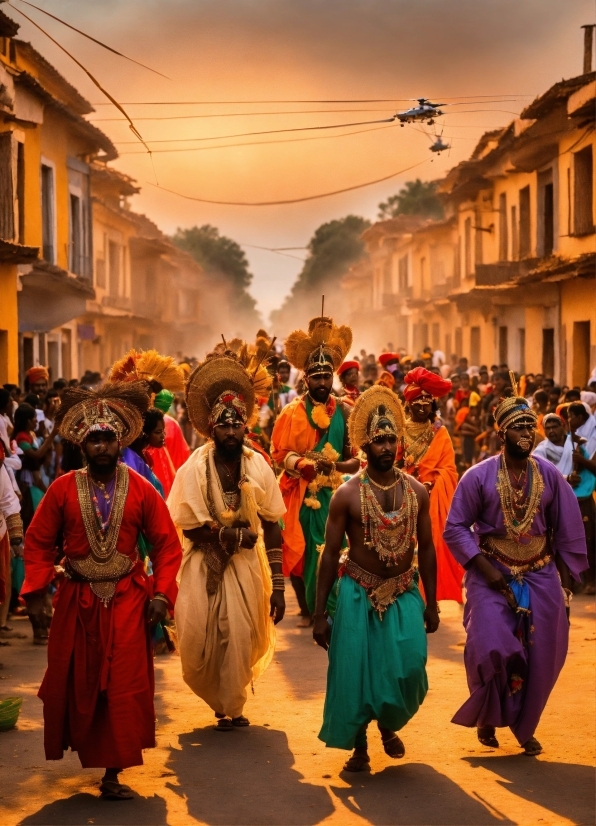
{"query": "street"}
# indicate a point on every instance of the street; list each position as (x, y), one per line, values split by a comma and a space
(278, 772)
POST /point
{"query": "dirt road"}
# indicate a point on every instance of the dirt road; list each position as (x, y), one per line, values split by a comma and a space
(277, 772)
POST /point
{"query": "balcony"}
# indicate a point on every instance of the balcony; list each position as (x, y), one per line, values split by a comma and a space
(501, 272)
(148, 309)
(117, 302)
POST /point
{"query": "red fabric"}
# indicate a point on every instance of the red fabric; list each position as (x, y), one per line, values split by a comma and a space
(384, 358)
(175, 442)
(420, 380)
(35, 374)
(4, 566)
(160, 462)
(348, 365)
(98, 687)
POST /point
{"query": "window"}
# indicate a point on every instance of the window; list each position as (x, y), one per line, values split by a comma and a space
(467, 248)
(436, 336)
(423, 284)
(387, 285)
(457, 263)
(524, 222)
(514, 235)
(521, 332)
(503, 345)
(21, 191)
(459, 344)
(581, 353)
(75, 245)
(583, 192)
(114, 262)
(475, 345)
(548, 352)
(503, 234)
(6, 188)
(478, 255)
(546, 214)
(402, 274)
(47, 213)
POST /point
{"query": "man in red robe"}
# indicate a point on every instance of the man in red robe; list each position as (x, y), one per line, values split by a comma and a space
(429, 457)
(98, 687)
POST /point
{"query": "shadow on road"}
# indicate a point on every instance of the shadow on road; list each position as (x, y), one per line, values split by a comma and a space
(413, 794)
(567, 789)
(262, 787)
(81, 809)
(305, 684)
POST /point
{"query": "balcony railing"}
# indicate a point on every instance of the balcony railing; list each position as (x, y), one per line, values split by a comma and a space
(491, 275)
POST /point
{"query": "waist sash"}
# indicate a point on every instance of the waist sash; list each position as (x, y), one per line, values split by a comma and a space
(381, 592)
(519, 557)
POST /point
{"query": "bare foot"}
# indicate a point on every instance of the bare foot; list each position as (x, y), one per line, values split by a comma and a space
(359, 761)
(304, 622)
(532, 747)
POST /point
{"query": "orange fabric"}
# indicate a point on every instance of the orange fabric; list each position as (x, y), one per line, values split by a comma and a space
(292, 433)
(163, 467)
(175, 442)
(438, 466)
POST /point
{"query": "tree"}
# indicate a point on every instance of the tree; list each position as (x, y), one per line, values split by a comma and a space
(415, 198)
(334, 247)
(221, 256)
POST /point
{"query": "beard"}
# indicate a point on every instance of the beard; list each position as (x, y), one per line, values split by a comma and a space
(102, 468)
(521, 450)
(381, 463)
(321, 394)
(229, 451)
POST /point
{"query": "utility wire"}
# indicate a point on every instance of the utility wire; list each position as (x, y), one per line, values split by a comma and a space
(291, 200)
(248, 102)
(88, 36)
(259, 143)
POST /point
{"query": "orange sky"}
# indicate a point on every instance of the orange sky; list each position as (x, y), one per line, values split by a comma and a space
(302, 49)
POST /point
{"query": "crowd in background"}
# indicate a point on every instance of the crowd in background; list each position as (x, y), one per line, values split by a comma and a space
(32, 455)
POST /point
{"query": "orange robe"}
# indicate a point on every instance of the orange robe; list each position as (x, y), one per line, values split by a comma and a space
(438, 466)
(292, 433)
(97, 691)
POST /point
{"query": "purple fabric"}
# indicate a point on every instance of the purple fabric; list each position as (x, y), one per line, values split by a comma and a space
(509, 681)
(105, 506)
(476, 504)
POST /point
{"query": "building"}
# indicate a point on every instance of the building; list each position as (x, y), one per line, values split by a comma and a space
(510, 275)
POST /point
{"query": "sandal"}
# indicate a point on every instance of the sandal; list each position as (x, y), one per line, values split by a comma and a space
(398, 751)
(224, 724)
(532, 747)
(486, 736)
(357, 763)
(240, 722)
(112, 790)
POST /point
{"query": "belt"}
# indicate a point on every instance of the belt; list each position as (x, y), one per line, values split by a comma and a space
(381, 592)
(519, 557)
(102, 577)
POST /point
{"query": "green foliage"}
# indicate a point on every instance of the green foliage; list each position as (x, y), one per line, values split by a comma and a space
(415, 198)
(221, 256)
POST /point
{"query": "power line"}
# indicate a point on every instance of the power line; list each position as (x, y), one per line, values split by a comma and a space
(249, 102)
(291, 200)
(258, 143)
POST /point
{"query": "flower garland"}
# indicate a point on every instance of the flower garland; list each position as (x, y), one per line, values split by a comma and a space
(333, 480)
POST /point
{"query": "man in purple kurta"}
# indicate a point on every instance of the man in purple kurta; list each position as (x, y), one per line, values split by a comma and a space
(516, 527)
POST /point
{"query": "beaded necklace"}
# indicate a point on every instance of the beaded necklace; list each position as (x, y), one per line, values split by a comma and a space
(390, 534)
(107, 491)
(519, 510)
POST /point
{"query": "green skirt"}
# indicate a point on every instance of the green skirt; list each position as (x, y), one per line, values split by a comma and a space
(377, 668)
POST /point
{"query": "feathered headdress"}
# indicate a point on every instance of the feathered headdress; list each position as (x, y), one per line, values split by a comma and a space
(228, 380)
(115, 406)
(377, 411)
(149, 366)
(323, 346)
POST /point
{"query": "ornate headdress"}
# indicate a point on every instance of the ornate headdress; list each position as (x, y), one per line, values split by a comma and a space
(224, 388)
(322, 349)
(118, 407)
(149, 366)
(422, 385)
(376, 412)
(514, 409)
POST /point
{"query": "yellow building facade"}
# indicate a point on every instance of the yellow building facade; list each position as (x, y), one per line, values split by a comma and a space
(509, 277)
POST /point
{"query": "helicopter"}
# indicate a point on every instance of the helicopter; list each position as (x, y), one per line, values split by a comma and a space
(438, 146)
(424, 111)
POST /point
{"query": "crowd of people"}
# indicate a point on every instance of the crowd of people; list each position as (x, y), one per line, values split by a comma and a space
(165, 506)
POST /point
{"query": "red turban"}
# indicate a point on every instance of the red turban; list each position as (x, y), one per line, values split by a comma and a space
(384, 358)
(348, 365)
(420, 382)
(35, 374)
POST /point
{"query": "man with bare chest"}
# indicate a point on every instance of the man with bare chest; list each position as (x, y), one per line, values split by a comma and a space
(377, 643)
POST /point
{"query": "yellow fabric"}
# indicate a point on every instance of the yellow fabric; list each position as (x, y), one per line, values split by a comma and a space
(226, 639)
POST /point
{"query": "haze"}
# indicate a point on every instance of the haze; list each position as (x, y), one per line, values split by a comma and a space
(231, 50)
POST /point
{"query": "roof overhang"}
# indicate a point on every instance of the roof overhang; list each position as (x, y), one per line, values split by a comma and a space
(50, 297)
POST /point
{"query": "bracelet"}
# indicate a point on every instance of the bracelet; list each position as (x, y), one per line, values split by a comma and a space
(161, 598)
(238, 540)
(220, 540)
(274, 555)
(278, 582)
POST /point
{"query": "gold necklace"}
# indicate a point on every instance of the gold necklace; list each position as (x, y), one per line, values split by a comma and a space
(516, 522)
(419, 435)
(384, 487)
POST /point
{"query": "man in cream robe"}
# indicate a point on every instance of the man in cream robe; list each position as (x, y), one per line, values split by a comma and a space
(227, 503)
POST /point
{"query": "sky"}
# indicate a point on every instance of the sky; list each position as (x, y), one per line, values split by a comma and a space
(290, 50)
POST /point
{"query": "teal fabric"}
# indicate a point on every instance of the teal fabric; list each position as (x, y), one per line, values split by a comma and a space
(377, 668)
(313, 521)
